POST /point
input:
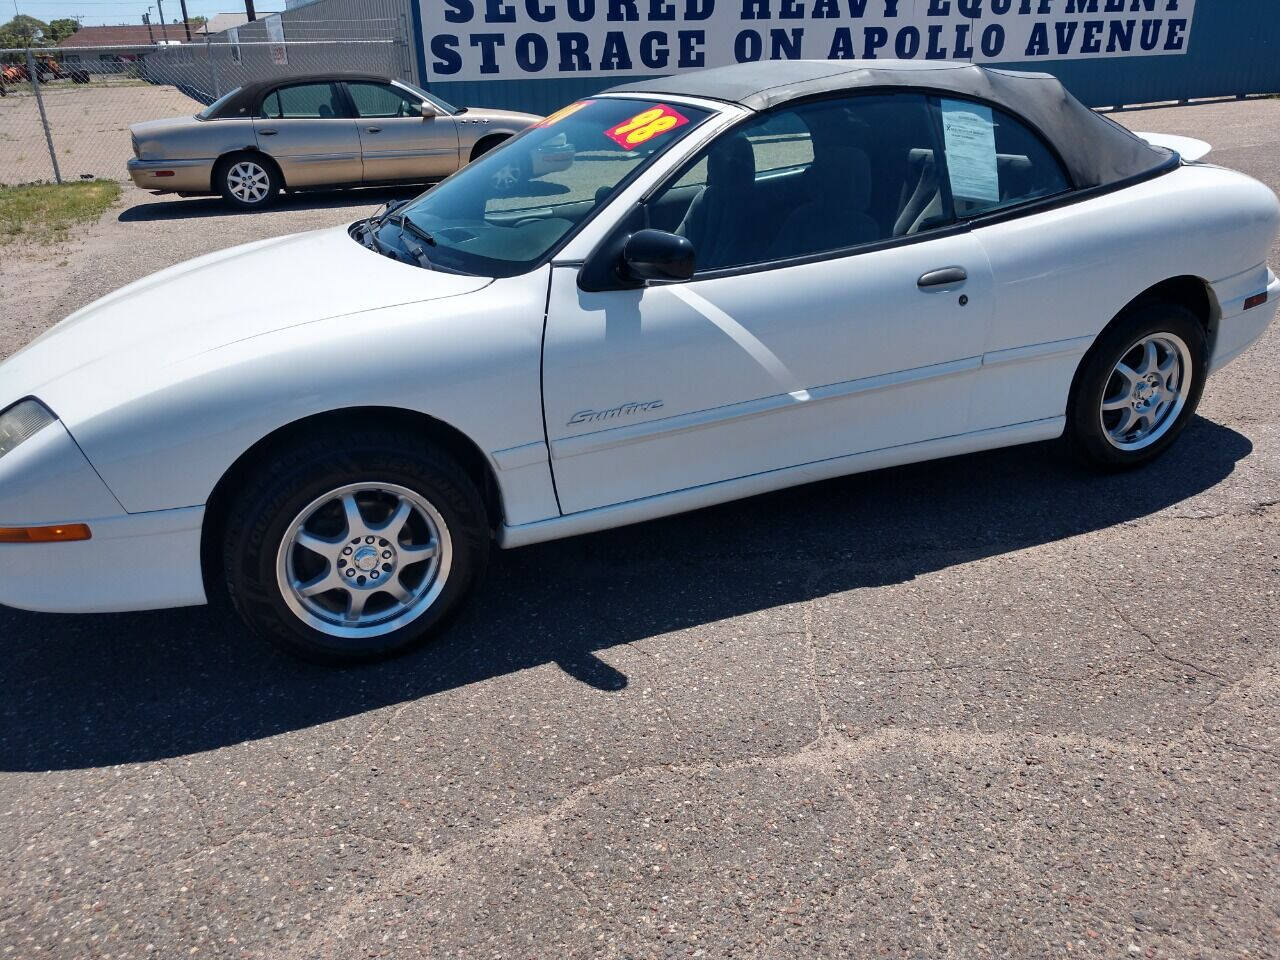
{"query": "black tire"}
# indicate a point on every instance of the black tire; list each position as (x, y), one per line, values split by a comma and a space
(302, 473)
(1086, 434)
(225, 180)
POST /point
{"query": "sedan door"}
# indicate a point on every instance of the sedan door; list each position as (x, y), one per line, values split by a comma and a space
(396, 141)
(835, 311)
(308, 129)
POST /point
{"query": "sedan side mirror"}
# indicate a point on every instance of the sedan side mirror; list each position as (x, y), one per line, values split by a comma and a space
(428, 109)
(658, 255)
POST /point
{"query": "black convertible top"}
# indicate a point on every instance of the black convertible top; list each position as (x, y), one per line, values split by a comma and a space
(1097, 151)
(245, 101)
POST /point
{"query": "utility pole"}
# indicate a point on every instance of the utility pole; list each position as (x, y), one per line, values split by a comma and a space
(186, 24)
(151, 34)
(248, 9)
(163, 32)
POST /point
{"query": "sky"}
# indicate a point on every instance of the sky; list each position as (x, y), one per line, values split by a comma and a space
(94, 12)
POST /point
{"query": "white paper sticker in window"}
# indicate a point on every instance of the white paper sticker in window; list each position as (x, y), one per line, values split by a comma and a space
(970, 134)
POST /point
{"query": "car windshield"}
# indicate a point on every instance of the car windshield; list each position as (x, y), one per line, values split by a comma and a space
(212, 108)
(502, 214)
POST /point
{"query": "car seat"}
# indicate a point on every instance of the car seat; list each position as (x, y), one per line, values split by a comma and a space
(721, 222)
(839, 183)
(921, 194)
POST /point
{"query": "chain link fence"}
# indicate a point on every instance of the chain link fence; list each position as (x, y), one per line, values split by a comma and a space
(65, 111)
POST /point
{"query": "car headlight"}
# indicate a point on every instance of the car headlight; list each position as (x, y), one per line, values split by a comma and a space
(21, 422)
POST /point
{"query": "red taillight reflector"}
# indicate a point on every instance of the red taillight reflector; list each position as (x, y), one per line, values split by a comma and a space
(164, 173)
(1257, 300)
(63, 534)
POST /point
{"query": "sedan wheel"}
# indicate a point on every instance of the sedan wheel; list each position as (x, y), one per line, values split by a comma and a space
(355, 555)
(1138, 386)
(364, 560)
(247, 181)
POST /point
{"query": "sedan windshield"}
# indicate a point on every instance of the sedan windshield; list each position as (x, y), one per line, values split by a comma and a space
(502, 214)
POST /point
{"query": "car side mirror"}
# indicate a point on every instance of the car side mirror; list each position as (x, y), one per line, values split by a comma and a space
(657, 255)
(428, 110)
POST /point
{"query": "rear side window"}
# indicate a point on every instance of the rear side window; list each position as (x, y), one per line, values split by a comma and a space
(993, 160)
(306, 101)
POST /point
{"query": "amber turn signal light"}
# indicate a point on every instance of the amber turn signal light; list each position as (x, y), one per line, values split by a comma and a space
(63, 534)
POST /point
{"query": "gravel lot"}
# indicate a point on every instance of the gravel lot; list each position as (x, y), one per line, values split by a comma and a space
(992, 707)
(90, 125)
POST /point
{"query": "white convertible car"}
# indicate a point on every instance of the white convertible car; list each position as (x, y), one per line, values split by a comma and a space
(747, 278)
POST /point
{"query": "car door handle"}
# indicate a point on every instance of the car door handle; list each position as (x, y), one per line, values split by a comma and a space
(945, 277)
(266, 133)
(942, 278)
(374, 129)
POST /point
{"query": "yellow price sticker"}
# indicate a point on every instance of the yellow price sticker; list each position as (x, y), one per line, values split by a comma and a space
(646, 125)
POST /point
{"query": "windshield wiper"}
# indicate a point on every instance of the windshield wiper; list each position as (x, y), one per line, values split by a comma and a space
(376, 243)
(368, 235)
(408, 226)
(419, 254)
(371, 223)
(409, 230)
(388, 208)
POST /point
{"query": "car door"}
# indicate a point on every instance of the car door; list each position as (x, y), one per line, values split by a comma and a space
(309, 130)
(1001, 175)
(836, 310)
(396, 141)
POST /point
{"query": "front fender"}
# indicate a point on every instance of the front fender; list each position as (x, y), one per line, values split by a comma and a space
(471, 361)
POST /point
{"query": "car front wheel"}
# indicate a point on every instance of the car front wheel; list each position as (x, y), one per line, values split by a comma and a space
(355, 557)
(1138, 387)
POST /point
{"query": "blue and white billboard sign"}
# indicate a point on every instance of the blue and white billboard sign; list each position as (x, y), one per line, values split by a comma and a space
(542, 39)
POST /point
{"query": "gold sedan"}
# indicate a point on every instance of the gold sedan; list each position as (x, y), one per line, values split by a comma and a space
(332, 130)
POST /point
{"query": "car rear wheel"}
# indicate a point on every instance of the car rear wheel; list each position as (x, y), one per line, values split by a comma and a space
(247, 181)
(1138, 387)
(356, 557)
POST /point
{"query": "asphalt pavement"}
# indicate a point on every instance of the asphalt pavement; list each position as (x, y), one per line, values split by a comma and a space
(994, 706)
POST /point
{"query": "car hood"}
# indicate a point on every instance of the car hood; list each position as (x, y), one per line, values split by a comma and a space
(213, 301)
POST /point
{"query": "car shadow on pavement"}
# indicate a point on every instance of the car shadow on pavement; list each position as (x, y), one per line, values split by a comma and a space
(191, 208)
(87, 691)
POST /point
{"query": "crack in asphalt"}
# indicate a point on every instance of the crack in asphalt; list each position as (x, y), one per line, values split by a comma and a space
(196, 806)
(531, 830)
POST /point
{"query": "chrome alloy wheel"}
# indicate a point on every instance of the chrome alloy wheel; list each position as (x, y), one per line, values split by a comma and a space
(364, 560)
(1146, 391)
(248, 182)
